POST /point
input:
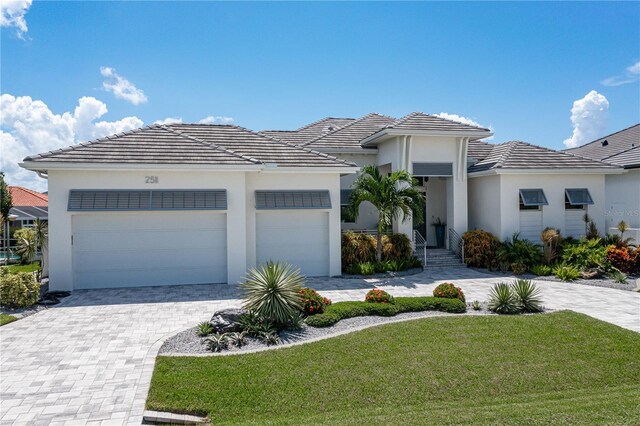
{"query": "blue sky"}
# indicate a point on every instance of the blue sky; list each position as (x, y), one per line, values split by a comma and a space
(517, 67)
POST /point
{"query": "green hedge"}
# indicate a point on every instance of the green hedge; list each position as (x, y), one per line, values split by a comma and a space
(18, 290)
(344, 310)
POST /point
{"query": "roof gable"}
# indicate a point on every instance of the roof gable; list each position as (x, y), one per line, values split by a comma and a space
(617, 148)
(21, 196)
(350, 135)
(427, 122)
(310, 131)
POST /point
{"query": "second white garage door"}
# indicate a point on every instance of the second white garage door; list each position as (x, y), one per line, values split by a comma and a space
(298, 237)
(149, 248)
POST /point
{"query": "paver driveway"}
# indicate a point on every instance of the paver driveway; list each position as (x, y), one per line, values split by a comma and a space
(89, 360)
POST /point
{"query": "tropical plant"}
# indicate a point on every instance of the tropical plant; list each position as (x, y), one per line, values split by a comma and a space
(480, 249)
(270, 338)
(312, 302)
(618, 277)
(476, 305)
(551, 239)
(271, 291)
(217, 342)
(238, 339)
(592, 231)
(205, 328)
(26, 244)
(396, 247)
(542, 270)
(6, 202)
(41, 229)
(296, 322)
(502, 300)
(519, 254)
(527, 296)
(357, 248)
(624, 259)
(395, 196)
(365, 268)
(448, 291)
(18, 290)
(586, 254)
(378, 296)
(622, 227)
(566, 272)
(255, 325)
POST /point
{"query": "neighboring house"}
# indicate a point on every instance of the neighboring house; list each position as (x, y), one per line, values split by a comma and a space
(186, 204)
(28, 205)
(622, 199)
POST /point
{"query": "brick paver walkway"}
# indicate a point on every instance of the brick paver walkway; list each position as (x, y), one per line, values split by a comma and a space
(89, 360)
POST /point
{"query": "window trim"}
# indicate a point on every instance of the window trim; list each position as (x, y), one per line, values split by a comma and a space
(567, 198)
(525, 203)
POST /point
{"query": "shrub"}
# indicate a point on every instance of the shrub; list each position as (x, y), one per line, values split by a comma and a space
(396, 247)
(566, 272)
(527, 296)
(618, 277)
(357, 248)
(448, 291)
(271, 291)
(217, 342)
(205, 328)
(542, 270)
(270, 338)
(365, 268)
(624, 258)
(26, 244)
(395, 265)
(238, 339)
(312, 302)
(378, 296)
(255, 325)
(425, 303)
(480, 249)
(586, 254)
(551, 240)
(519, 254)
(18, 290)
(502, 300)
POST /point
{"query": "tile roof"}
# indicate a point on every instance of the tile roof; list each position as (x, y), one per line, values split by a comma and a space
(350, 135)
(479, 150)
(522, 155)
(620, 148)
(22, 196)
(205, 144)
(310, 131)
(422, 121)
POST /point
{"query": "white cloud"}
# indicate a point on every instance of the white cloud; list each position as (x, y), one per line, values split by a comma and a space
(589, 118)
(169, 120)
(216, 120)
(29, 127)
(464, 120)
(121, 87)
(631, 75)
(12, 15)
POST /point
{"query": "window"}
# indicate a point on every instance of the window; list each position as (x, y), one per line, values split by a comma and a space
(577, 198)
(104, 200)
(345, 214)
(276, 200)
(532, 199)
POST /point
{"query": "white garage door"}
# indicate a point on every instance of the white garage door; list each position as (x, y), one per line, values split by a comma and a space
(149, 248)
(298, 237)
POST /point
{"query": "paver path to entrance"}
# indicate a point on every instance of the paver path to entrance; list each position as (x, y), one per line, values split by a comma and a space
(90, 359)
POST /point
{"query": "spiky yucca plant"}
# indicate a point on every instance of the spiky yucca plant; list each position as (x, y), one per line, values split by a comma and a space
(271, 291)
(502, 300)
(528, 296)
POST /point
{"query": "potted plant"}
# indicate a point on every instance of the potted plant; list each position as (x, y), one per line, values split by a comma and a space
(440, 229)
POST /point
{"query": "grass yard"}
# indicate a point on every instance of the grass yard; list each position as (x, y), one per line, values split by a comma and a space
(6, 319)
(559, 368)
(30, 267)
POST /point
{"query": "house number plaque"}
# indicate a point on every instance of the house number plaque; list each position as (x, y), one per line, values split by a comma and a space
(151, 179)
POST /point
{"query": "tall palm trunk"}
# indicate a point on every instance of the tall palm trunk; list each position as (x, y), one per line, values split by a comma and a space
(379, 241)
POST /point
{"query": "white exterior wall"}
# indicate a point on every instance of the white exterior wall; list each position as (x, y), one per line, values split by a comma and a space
(484, 204)
(367, 214)
(623, 199)
(553, 215)
(240, 187)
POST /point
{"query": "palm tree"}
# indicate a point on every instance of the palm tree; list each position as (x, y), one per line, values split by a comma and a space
(41, 229)
(395, 196)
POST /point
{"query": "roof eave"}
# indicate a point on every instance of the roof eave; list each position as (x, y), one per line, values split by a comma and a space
(472, 134)
(563, 171)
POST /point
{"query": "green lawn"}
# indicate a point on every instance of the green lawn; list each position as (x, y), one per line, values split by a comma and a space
(559, 368)
(31, 267)
(6, 319)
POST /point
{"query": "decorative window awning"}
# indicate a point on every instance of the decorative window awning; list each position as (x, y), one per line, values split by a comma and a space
(578, 196)
(533, 197)
(432, 169)
(274, 200)
(107, 200)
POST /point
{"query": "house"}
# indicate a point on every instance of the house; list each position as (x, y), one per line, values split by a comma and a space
(28, 205)
(622, 191)
(198, 203)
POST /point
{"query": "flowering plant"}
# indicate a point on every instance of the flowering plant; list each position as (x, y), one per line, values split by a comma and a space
(448, 291)
(379, 296)
(312, 302)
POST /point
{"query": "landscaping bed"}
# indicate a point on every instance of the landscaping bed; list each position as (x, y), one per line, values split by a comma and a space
(560, 368)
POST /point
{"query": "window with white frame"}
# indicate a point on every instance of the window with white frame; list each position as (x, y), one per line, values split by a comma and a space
(577, 199)
(532, 199)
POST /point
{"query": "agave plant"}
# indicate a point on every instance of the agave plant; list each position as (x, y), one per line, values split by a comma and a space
(270, 339)
(205, 328)
(217, 342)
(271, 291)
(502, 300)
(527, 295)
(238, 339)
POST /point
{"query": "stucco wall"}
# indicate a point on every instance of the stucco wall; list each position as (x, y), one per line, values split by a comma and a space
(623, 199)
(484, 203)
(367, 214)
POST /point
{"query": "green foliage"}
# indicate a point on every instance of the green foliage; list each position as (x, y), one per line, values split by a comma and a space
(6, 319)
(396, 247)
(26, 244)
(361, 248)
(618, 277)
(217, 342)
(378, 296)
(205, 328)
(271, 291)
(238, 339)
(502, 300)
(6, 201)
(520, 255)
(18, 290)
(527, 296)
(312, 302)
(370, 268)
(255, 325)
(395, 197)
(586, 254)
(476, 305)
(551, 240)
(480, 249)
(343, 310)
(592, 231)
(366, 268)
(270, 338)
(566, 272)
(448, 291)
(542, 270)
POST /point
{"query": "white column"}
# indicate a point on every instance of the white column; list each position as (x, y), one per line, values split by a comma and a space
(236, 230)
(60, 235)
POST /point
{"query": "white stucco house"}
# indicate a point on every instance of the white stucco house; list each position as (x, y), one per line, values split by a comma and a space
(188, 204)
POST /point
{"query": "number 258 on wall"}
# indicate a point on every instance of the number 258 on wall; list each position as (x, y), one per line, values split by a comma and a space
(151, 179)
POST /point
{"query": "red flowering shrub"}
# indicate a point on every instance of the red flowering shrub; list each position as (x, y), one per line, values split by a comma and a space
(624, 258)
(312, 302)
(448, 291)
(379, 296)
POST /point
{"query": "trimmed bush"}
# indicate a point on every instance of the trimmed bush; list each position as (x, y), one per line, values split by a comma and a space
(361, 249)
(396, 247)
(625, 259)
(586, 254)
(18, 290)
(448, 291)
(480, 249)
(343, 310)
(378, 296)
(312, 302)
(518, 254)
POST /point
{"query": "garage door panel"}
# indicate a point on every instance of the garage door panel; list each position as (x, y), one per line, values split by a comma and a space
(297, 237)
(142, 249)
